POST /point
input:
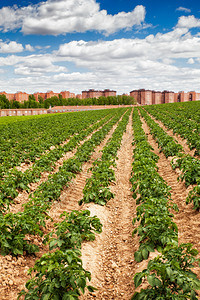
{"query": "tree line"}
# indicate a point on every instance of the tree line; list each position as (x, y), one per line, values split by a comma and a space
(59, 101)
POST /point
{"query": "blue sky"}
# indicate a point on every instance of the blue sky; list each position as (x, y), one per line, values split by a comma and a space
(80, 44)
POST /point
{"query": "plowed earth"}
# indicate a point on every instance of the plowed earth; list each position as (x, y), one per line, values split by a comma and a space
(110, 258)
(187, 219)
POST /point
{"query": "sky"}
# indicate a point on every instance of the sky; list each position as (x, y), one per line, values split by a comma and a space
(77, 45)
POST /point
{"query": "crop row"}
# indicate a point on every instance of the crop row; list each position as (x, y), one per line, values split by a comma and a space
(60, 274)
(15, 180)
(188, 110)
(189, 166)
(15, 227)
(187, 129)
(169, 274)
(70, 232)
(26, 141)
(97, 186)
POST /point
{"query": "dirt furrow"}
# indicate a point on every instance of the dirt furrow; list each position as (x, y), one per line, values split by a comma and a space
(177, 137)
(110, 258)
(23, 197)
(28, 164)
(74, 192)
(14, 270)
(187, 219)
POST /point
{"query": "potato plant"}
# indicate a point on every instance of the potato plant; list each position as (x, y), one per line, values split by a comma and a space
(169, 275)
(59, 274)
(97, 186)
(32, 219)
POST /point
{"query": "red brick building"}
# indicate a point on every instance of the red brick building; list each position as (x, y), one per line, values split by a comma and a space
(36, 95)
(49, 94)
(22, 96)
(142, 96)
(148, 97)
(79, 96)
(96, 94)
(67, 94)
(167, 97)
(8, 96)
(19, 96)
(156, 97)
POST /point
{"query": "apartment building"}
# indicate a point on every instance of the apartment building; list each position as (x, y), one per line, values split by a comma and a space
(49, 94)
(148, 97)
(19, 96)
(96, 94)
(22, 96)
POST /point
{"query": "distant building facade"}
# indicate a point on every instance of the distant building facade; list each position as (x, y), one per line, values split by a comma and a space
(148, 97)
(22, 112)
(19, 96)
(49, 94)
(22, 96)
(96, 94)
(79, 96)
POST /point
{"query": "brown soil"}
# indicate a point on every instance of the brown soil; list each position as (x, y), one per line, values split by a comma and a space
(28, 164)
(187, 219)
(110, 258)
(14, 271)
(177, 137)
(71, 195)
(23, 197)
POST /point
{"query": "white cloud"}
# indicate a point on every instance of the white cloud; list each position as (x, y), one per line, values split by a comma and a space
(30, 48)
(37, 71)
(134, 63)
(10, 60)
(187, 10)
(36, 65)
(188, 22)
(10, 47)
(42, 47)
(175, 44)
(66, 16)
(168, 61)
(161, 61)
(191, 61)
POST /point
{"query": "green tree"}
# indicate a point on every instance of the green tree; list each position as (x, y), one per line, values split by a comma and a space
(40, 99)
(4, 102)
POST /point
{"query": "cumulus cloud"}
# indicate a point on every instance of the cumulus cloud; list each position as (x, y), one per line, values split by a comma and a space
(186, 10)
(66, 16)
(37, 71)
(136, 63)
(10, 47)
(10, 60)
(28, 47)
(36, 65)
(33, 65)
(160, 61)
(188, 22)
(175, 44)
(152, 76)
(191, 61)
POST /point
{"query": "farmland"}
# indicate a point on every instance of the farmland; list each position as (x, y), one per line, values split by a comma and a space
(107, 199)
